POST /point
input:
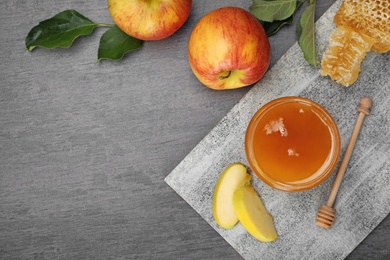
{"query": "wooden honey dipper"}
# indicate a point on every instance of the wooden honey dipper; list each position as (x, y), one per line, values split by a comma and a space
(326, 214)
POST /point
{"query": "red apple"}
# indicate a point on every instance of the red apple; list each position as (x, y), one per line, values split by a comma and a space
(149, 19)
(228, 49)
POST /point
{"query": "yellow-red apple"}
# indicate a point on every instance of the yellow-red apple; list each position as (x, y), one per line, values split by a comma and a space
(228, 49)
(149, 19)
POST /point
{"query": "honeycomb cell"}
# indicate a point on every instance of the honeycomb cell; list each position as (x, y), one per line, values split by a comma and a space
(370, 17)
(346, 50)
(362, 25)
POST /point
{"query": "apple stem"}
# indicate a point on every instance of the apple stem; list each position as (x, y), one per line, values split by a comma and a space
(225, 77)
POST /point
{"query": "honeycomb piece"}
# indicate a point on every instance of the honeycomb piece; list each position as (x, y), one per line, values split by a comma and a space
(346, 50)
(362, 25)
(371, 17)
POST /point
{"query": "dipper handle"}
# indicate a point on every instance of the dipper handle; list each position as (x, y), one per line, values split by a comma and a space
(326, 213)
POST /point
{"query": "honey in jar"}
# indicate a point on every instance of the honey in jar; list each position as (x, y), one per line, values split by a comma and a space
(292, 144)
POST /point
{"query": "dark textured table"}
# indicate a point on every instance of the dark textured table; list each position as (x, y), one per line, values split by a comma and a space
(85, 146)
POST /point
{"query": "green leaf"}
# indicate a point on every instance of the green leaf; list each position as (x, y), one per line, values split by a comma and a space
(305, 34)
(59, 31)
(272, 28)
(114, 43)
(271, 10)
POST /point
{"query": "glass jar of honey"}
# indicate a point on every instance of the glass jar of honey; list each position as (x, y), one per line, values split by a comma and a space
(292, 144)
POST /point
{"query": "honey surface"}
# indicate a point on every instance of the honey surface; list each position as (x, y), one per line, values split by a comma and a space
(292, 142)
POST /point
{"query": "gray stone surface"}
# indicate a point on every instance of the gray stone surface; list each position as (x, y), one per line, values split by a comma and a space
(85, 147)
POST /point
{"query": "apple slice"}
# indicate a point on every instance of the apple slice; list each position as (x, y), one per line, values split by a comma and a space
(253, 215)
(233, 177)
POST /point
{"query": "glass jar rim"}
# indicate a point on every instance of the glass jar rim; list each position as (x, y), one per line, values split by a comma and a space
(308, 183)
